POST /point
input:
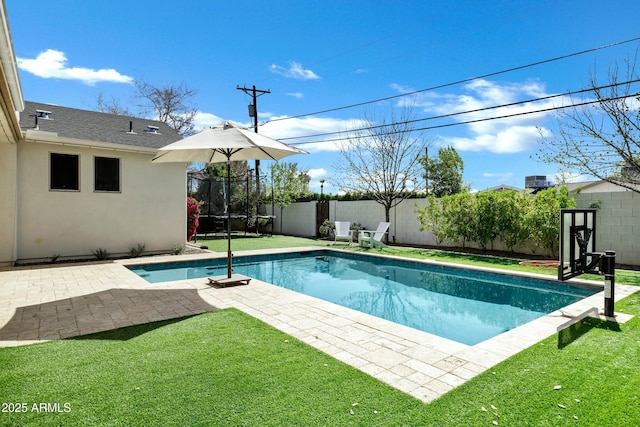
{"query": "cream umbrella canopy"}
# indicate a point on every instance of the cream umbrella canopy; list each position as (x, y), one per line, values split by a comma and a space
(223, 144)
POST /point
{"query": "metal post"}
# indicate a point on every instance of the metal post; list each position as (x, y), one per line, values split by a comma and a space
(608, 268)
(254, 109)
(229, 254)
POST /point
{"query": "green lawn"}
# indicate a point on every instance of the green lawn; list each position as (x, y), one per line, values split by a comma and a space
(227, 368)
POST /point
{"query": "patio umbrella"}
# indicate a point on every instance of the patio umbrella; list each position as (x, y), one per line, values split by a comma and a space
(222, 144)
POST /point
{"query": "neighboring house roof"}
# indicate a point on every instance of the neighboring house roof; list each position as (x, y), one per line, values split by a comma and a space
(93, 126)
(502, 187)
(594, 187)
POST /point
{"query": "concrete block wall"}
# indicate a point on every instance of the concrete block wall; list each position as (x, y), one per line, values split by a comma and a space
(617, 221)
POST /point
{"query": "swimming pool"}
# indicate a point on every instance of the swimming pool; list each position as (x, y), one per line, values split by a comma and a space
(464, 305)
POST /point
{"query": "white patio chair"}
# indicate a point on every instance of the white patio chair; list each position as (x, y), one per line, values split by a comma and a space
(343, 232)
(372, 239)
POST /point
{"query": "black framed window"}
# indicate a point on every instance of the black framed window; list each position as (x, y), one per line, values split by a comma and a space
(64, 172)
(107, 174)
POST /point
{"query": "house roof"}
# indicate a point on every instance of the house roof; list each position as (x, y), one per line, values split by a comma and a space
(501, 187)
(93, 126)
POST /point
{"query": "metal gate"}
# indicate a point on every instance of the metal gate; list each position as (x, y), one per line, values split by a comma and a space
(322, 214)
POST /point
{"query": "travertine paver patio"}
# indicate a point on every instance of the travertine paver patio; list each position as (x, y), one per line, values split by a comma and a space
(61, 301)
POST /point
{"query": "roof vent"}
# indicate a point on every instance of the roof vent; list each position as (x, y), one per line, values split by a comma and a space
(153, 129)
(131, 128)
(43, 114)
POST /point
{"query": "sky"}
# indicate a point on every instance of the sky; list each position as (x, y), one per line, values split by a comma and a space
(315, 57)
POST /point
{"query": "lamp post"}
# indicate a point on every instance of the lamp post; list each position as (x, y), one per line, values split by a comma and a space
(321, 188)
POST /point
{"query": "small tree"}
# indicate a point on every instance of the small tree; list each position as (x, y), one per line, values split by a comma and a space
(380, 158)
(543, 219)
(288, 183)
(484, 218)
(511, 211)
(601, 140)
(459, 210)
(444, 172)
(432, 218)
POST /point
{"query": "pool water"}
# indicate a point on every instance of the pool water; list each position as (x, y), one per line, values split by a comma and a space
(462, 305)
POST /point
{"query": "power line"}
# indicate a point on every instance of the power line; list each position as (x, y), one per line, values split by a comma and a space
(521, 67)
(523, 113)
(543, 98)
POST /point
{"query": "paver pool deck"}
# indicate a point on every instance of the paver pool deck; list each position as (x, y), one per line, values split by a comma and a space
(43, 303)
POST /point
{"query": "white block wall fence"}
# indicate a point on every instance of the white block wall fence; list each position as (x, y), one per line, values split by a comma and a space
(618, 222)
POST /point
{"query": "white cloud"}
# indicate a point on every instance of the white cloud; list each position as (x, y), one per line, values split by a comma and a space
(517, 132)
(511, 139)
(53, 64)
(317, 173)
(295, 71)
(298, 95)
(203, 121)
(303, 127)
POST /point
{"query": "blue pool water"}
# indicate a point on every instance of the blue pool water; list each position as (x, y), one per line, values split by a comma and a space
(462, 305)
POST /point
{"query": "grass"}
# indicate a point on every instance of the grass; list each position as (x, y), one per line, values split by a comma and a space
(220, 368)
(227, 368)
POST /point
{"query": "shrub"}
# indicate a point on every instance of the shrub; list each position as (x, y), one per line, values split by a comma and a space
(137, 251)
(101, 254)
(355, 228)
(326, 228)
(193, 216)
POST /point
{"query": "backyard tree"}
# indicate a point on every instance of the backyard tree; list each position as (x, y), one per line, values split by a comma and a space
(511, 210)
(543, 219)
(433, 219)
(288, 183)
(381, 157)
(601, 139)
(444, 172)
(171, 104)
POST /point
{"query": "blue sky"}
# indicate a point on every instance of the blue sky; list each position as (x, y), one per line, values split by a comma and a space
(321, 55)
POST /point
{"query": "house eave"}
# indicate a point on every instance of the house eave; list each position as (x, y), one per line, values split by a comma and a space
(11, 101)
(41, 137)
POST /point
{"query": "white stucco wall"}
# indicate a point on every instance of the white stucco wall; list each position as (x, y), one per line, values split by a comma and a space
(150, 209)
(618, 222)
(298, 219)
(8, 192)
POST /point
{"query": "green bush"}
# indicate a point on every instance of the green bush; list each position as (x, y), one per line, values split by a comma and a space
(101, 254)
(508, 216)
(327, 228)
(137, 251)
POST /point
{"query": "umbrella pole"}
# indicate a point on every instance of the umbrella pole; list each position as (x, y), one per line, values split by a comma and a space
(229, 255)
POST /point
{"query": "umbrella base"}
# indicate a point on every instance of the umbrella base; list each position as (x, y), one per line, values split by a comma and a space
(224, 281)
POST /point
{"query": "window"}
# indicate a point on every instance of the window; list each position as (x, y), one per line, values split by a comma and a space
(107, 170)
(64, 171)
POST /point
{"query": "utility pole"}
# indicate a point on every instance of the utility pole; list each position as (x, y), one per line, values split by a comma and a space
(253, 112)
